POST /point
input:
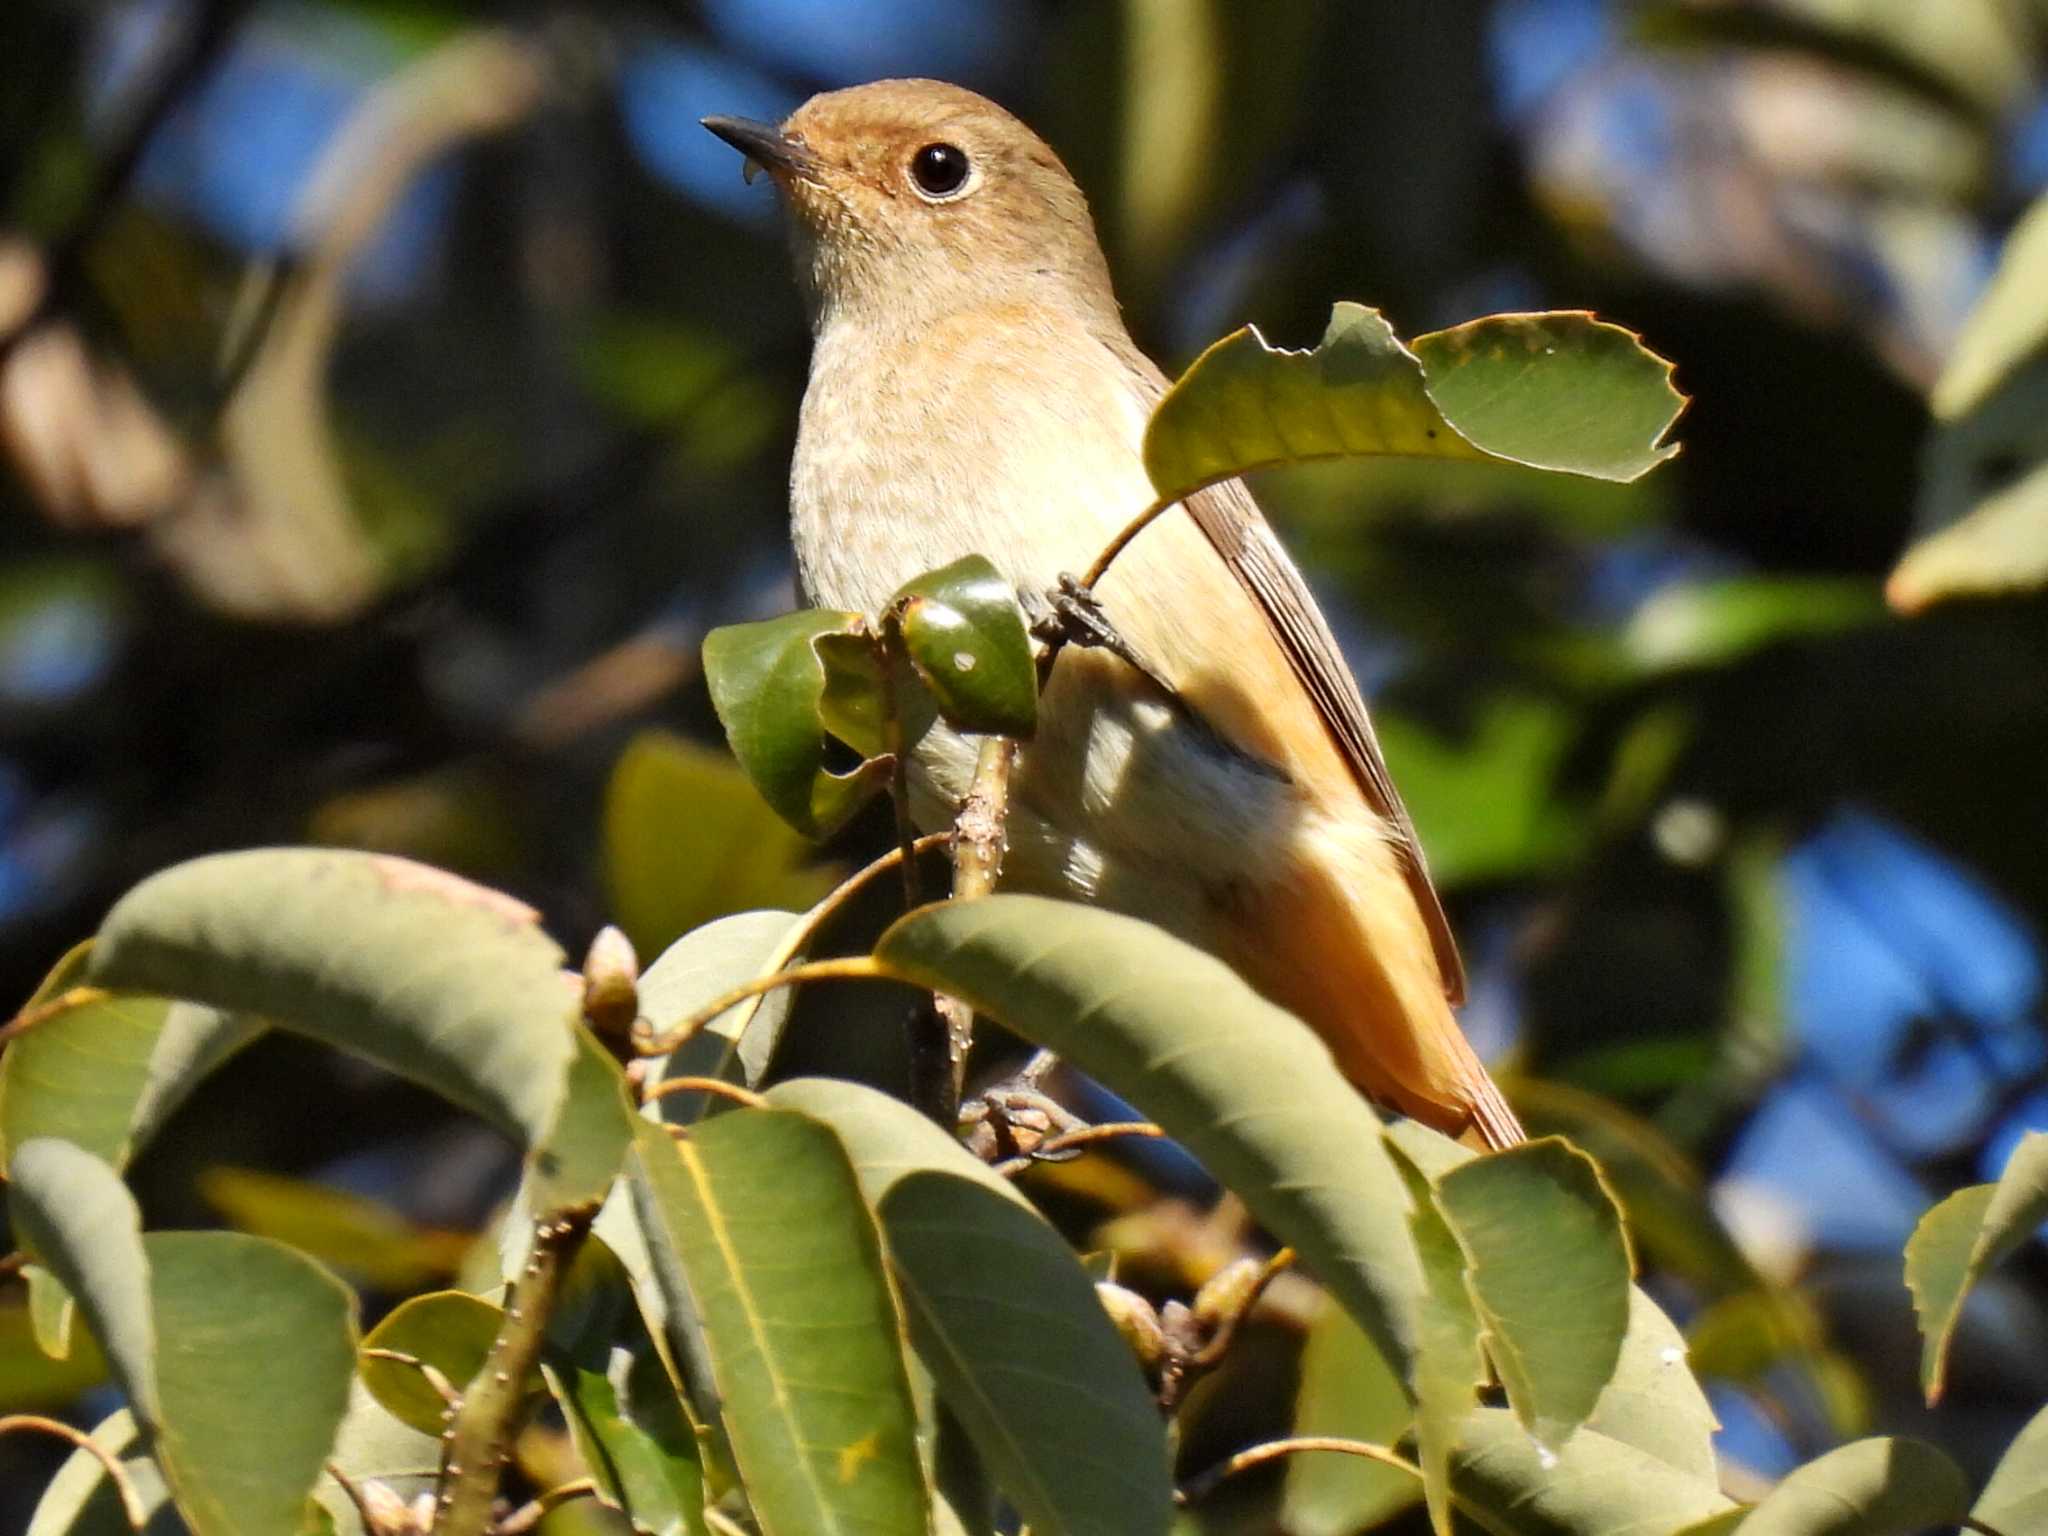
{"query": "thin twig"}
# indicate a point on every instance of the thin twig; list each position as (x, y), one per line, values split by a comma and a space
(1130, 531)
(479, 1442)
(13, 1263)
(131, 1501)
(431, 1374)
(713, 1085)
(1087, 1135)
(845, 968)
(356, 1496)
(1226, 1331)
(525, 1518)
(979, 841)
(1983, 1528)
(1201, 1487)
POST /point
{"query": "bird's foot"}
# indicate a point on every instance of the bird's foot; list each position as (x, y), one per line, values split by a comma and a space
(1074, 615)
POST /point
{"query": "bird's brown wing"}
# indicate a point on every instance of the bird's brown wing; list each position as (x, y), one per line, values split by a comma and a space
(1233, 524)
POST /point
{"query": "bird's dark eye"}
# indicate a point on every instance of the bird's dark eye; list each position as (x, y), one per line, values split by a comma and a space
(939, 170)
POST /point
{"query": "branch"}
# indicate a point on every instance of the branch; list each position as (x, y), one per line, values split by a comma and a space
(979, 842)
(1049, 1149)
(131, 1501)
(479, 1442)
(847, 968)
(1201, 1487)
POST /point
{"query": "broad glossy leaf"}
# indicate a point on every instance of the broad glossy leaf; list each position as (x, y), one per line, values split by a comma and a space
(1964, 1236)
(73, 1213)
(701, 965)
(450, 1330)
(1347, 1391)
(235, 1351)
(80, 1500)
(1885, 1487)
(1536, 1223)
(1594, 1486)
(644, 1467)
(1246, 1088)
(1006, 1321)
(106, 1073)
(2009, 324)
(373, 1444)
(768, 683)
(1554, 391)
(442, 981)
(257, 1351)
(966, 635)
(583, 1152)
(763, 1212)
(1448, 1364)
(687, 838)
(2016, 1498)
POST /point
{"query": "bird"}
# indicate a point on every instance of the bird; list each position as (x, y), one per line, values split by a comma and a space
(973, 390)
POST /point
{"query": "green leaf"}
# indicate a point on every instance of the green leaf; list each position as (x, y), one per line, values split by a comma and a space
(1448, 1363)
(641, 1457)
(966, 635)
(32, 1380)
(1000, 1310)
(1594, 1486)
(737, 1045)
(1246, 1088)
(2016, 1498)
(106, 1073)
(234, 1351)
(769, 685)
(72, 1212)
(762, 1210)
(444, 982)
(1536, 1223)
(1999, 545)
(1961, 1238)
(582, 1155)
(1561, 391)
(1885, 1487)
(2008, 326)
(687, 838)
(1554, 391)
(80, 1500)
(357, 1236)
(373, 1444)
(1346, 1391)
(450, 1330)
(258, 1347)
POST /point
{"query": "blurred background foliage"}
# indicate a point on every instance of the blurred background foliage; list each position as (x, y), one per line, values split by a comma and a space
(393, 393)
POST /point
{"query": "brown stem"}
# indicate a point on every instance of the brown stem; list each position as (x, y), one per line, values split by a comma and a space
(42, 1013)
(1087, 1135)
(1983, 1528)
(847, 968)
(479, 1443)
(431, 1374)
(1201, 1487)
(131, 1501)
(716, 1085)
(13, 1262)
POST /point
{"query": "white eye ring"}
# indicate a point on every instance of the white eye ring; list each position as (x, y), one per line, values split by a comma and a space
(941, 172)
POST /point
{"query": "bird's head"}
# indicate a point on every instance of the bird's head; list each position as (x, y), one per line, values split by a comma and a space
(910, 199)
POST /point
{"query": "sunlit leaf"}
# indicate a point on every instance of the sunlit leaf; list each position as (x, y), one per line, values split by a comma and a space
(1555, 391)
(452, 1331)
(2016, 1498)
(1706, 623)
(687, 838)
(445, 982)
(966, 635)
(1346, 1391)
(769, 684)
(107, 1072)
(1448, 1363)
(1964, 1236)
(998, 1309)
(1246, 1088)
(1888, 1487)
(2008, 325)
(1537, 1222)
(234, 1350)
(704, 964)
(1594, 1486)
(784, 1266)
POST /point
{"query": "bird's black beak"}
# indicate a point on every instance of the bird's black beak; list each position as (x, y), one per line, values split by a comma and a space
(765, 146)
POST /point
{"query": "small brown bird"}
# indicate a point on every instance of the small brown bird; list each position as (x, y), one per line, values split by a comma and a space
(973, 391)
